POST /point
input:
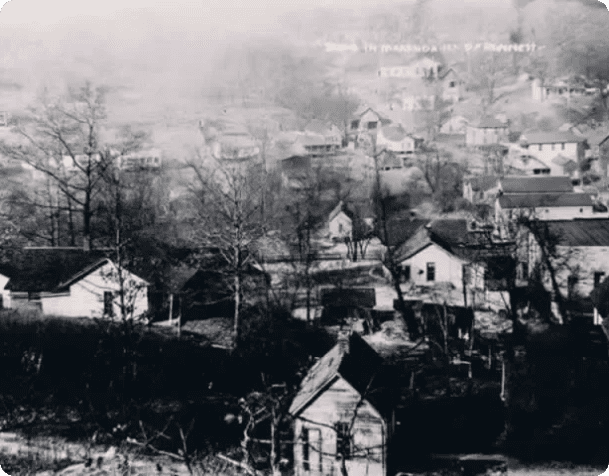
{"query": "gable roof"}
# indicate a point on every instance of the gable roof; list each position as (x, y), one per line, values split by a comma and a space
(396, 231)
(358, 365)
(452, 235)
(340, 207)
(535, 200)
(551, 137)
(417, 242)
(589, 232)
(53, 269)
(446, 72)
(523, 184)
(383, 119)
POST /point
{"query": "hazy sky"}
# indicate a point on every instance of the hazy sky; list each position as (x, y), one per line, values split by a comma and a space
(232, 13)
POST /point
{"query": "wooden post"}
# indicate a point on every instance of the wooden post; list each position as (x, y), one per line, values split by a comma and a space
(502, 379)
(171, 309)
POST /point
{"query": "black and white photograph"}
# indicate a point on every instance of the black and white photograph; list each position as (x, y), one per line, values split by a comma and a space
(312, 238)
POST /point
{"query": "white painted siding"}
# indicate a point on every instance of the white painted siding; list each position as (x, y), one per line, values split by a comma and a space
(449, 268)
(6, 295)
(556, 213)
(340, 226)
(481, 136)
(406, 146)
(337, 404)
(548, 152)
(86, 296)
(582, 262)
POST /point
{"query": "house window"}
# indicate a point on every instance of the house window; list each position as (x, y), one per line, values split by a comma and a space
(340, 227)
(405, 273)
(598, 277)
(372, 125)
(108, 303)
(354, 124)
(343, 440)
(451, 84)
(306, 450)
(562, 146)
(571, 283)
(540, 147)
(431, 271)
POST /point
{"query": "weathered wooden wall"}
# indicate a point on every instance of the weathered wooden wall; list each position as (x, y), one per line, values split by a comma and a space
(369, 435)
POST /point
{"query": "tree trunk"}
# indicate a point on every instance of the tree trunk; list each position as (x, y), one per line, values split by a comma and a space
(86, 241)
(237, 316)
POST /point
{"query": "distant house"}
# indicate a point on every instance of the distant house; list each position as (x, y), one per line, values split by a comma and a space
(481, 189)
(296, 172)
(394, 138)
(316, 145)
(368, 121)
(340, 222)
(440, 252)
(582, 254)
(598, 141)
(545, 206)
(568, 166)
(328, 130)
(487, 130)
(344, 411)
(546, 146)
(455, 125)
(526, 165)
(451, 85)
(70, 282)
(234, 145)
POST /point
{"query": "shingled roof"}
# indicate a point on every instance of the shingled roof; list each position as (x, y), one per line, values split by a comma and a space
(523, 184)
(536, 200)
(589, 232)
(52, 269)
(556, 137)
(357, 363)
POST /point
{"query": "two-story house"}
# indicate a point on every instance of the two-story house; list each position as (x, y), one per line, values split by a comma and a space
(547, 146)
(488, 130)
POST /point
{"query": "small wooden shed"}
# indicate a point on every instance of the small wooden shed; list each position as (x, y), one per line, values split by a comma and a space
(343, 413)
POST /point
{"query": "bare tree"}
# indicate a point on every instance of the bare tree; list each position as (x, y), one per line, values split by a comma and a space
(228, 203)
(62, 139)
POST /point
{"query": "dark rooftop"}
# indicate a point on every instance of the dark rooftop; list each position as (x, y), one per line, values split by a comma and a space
(51, 269)
(535, 200)
(523, 184)
(589, 232)
(359, 366)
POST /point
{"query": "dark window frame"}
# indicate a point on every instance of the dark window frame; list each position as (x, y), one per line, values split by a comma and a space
(430, 272)
(343, 440)
(108, 303)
